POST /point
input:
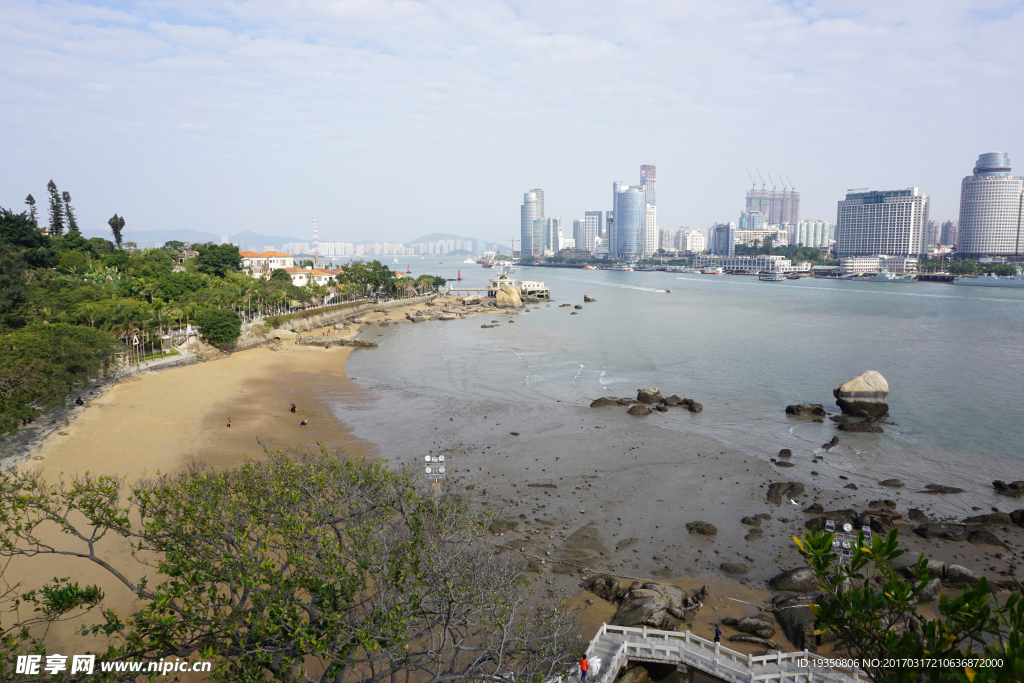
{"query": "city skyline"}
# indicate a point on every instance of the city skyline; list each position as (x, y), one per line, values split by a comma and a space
(334, 110)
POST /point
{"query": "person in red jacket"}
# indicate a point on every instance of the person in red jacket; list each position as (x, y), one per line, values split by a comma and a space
(584, 666)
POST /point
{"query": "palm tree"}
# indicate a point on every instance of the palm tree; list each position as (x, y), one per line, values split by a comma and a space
(160, 319)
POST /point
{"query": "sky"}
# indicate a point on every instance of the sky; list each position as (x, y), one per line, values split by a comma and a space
(390, 119)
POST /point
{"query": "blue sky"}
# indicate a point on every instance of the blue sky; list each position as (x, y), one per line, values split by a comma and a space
(388, 120)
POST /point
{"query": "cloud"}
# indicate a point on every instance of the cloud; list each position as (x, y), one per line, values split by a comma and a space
(390, 119)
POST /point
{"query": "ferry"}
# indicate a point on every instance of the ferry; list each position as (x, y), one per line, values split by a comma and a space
(986, 280)
(623, 268)
(711, 271)
(589, 267)
(486, 264)
(771, 276)
(886, 276)
(470, 260)
(792, 276)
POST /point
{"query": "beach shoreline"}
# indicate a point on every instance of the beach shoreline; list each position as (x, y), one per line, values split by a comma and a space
(634, 484)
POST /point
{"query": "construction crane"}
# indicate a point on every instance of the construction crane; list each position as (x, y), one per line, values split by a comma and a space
(762, 179)
(753, 184)
(791, 185)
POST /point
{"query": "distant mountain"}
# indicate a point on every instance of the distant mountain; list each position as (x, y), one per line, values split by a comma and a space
(150, 238)
(435, 236)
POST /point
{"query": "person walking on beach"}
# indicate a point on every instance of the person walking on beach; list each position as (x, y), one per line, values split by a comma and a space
(718, 634)
(584, 667)
(229, 423)
(293, 407)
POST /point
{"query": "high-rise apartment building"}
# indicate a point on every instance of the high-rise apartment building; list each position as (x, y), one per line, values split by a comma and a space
(752, 220)
(579, 228)
(666, 239)
(723, 239)
(546, 235)
(777, 206)
(593, 228)
(691, 241)
(991, 209)
(648, 176)
(529, 212)
(811, 234)
(630, 220)
(650, 230)
(950, 232)
(892, 222)
(540, 202)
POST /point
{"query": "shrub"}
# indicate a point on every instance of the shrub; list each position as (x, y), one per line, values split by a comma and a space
(220, 325)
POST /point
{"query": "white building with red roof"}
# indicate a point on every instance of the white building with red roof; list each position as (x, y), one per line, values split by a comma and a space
(262, 265)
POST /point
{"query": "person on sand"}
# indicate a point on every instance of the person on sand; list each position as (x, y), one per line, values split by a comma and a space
(79, 401)
(718, 634)
(303, 423)
(229, 423)
(584, 667)
(293, 407)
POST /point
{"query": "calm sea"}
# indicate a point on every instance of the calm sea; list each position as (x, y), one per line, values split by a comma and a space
(953, 357)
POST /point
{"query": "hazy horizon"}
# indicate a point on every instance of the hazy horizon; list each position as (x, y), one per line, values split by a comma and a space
(390, 120)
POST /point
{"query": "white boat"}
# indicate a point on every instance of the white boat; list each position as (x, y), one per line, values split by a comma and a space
(886, 276)
(470, 260)
(623, 268)
(711, 271)
(395, 261)
(986, 280)
(771, 276)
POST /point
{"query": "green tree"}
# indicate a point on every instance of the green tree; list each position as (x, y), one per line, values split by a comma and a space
(30, 201)
(281, 275)
(366, 278)
(40, 364)
(69, 212)
(116, 224)
(299, 559)
(217, 259)
(874, 612)
(19, 231)
(12, 287)
(220, 325)
(174, 246)
(56, 210)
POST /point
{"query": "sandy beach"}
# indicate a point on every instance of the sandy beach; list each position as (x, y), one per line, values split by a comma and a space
(556, 474)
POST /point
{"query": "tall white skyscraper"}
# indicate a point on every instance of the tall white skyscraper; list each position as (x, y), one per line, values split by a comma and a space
(593, 226)
(991, 209)
(810, 234)
(528, 213)
(892, 223)
(648, 176)
(630, 220)
(650, 230)
(539, 193)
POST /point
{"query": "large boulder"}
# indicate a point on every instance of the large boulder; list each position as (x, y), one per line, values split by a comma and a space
(799, 580)
(993, 518)
(868, 426)
(865, 392)
(958, 574)
(840, 517)
(508, 296)
(796, 619)
(702, 528)
(763, 625)
(603, 401)
(639, 409)
(649, 395)
(784, 490)
(604, 586)
(806, 410)
(588, 299)
(1013, 490)
(657, 605)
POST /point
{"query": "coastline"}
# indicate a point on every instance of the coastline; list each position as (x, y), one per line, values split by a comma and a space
(551, 470)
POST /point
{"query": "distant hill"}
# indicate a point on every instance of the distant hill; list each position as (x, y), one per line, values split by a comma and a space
(150, 238)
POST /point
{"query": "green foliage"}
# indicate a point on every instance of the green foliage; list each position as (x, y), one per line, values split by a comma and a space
(174, 246)
(101, 246)
(12, 286)
(217, 259)
(793, 253)
(176, 285)
(69, 212)
(964, 266)
(296, 558)
(366, 278)
(281, 275)
(19, 232)
(30, 202)
(220, 325)
(873, 611)
(71, 261)
(116, 224)
(56, 210)
(72, 241)
(119, 259)
(40, 364)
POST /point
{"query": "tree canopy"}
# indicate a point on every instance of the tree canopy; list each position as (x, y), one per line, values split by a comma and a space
(217, 259)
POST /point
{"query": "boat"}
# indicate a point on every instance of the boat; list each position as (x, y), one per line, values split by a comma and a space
(986, 280)
(792, 276)
(668, 291)
(711, 271)
(487, 264)
(395, 261)
(771, 276)
(623, 268)
(886, 276)
(470, 260)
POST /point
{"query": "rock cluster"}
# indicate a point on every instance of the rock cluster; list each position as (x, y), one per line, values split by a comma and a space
(784, 489)
(762, 626)
(806, 410)
(647, 401)
(657, 605)
(863, 395)
(1013, 490)
(702, 528)
(798, 580)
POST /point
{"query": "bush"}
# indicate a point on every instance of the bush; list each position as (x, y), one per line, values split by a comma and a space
(220, 325)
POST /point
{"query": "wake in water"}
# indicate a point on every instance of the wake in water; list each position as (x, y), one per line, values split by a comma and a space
(613, 284)
(867, 291)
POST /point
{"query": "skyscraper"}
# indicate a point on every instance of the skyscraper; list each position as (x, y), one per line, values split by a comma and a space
(991, 209)
(892, 223)
(647, 181)
(528, 213)
(950, 232)
(630, 219)
(593, 228)
(723, 239)
(650, 230)
(540, 202)
(777, 206)
(579, 229)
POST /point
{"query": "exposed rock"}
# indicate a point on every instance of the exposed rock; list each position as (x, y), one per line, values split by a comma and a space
(752, 520)
(756, 640)
(796, 619)
(995, 518)
(285, 335)
(508, 296)
(639, 409)
(762, 625)
(702, 528)
(636, 674)
(1018, 517)
(604, 586)
(985, 537)
(577, 306)
(501, 526)
(587, 537)
(799, 580)
(865, 392)
(784, 463)
(840, 517)
(785, 453)
(949, 532)
(695, 407)
(865, 426)
(625, 401)
(588, 299)
(649, 395)
(916, 515)
(940, 488)
(878, 504)
(603, 401)
(673, 400)
(784, 490)
(815, 509)
(661, 409)
(658, 605)
(957, 574)
(754, 534)
(1013, 489)
(734, 568)
(806, 410)
(931, 590)
(891, 483)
